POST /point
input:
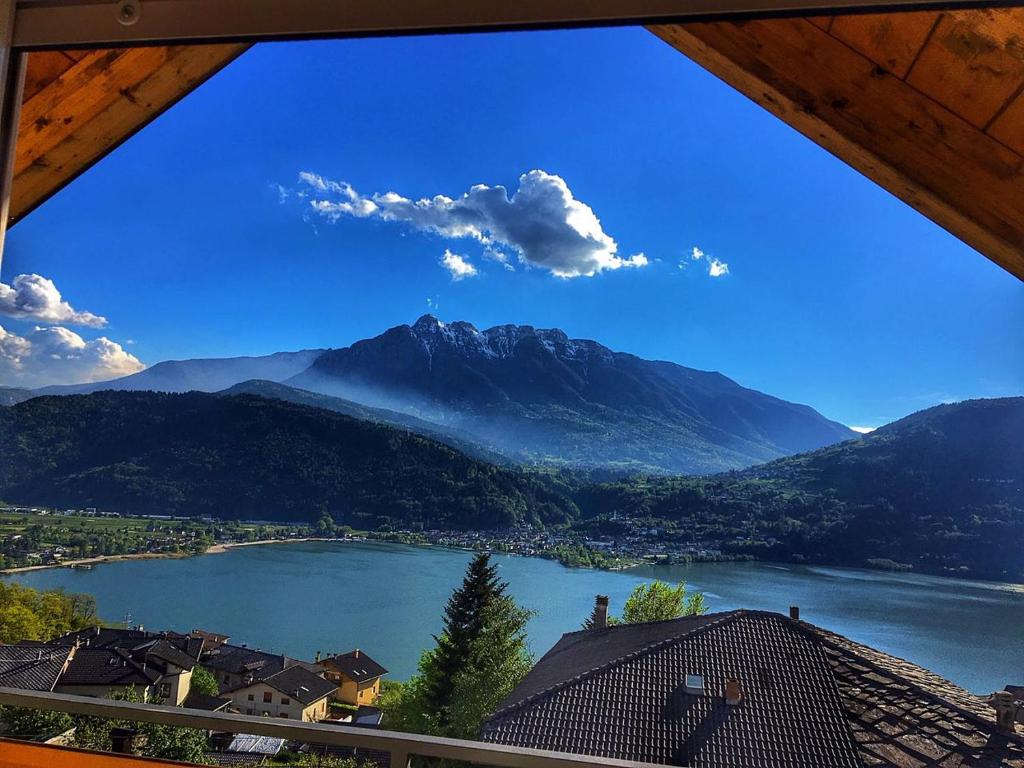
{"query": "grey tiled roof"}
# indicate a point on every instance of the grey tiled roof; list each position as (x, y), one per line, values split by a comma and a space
(108, 666)
(297, 682)
(301, 684)
(238, 660)
(31, 667)
(356, 665)
(196, 700)
(811, 699)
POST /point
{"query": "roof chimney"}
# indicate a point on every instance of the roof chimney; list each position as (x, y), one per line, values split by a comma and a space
(1005, 705)
(733, 692)
(317, 659)
(356, 654)
(794, 612)
(599, 618)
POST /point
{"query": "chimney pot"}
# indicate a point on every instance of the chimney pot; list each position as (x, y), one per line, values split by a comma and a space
(357, 653)
(600, 618)
(1005, 705)
(794, 612)
(733, 692)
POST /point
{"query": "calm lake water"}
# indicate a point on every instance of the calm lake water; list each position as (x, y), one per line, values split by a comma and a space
(387, 599)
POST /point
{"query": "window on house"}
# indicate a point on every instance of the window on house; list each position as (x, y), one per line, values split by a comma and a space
(267, 697)
(250, 711)
(284, 715)
(285, 700)
(252, 697)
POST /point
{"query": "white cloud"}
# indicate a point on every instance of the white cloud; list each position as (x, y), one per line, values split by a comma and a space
(34, 297)
(458, 267)
(717, 268)
(542, 222)
(696, 253)
(56, 355)
(863, 430)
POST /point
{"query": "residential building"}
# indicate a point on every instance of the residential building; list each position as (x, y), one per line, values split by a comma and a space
(158, 665)
(237, 665)
(748, 688)
(33, 666)
(357, 676)
(294, 693)
(99, 671)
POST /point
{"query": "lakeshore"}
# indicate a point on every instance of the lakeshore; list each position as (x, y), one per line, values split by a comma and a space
(213, 549)
(388, 598)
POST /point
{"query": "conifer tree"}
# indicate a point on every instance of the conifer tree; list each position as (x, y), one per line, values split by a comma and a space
(480, 655)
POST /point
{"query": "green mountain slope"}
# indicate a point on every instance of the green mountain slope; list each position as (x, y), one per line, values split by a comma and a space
(250, 457)
(941, 491)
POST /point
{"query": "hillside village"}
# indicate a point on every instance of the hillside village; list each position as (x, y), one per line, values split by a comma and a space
(161, 667)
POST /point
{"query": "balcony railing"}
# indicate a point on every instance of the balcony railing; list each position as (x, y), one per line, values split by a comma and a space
(400, 746)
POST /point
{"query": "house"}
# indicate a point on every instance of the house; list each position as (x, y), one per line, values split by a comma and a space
(356, 675)
(99, 671)
(32, 667)
(237, 665)
(294, 693)
(748, 688)
(158, 665)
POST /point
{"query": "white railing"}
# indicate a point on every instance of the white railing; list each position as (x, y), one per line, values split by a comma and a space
(400, 746)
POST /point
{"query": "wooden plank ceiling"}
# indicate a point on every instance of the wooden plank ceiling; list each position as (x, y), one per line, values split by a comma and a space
(79, 105)
(929, 105)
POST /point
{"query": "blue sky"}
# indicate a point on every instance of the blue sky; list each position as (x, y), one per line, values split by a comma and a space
(197, 237)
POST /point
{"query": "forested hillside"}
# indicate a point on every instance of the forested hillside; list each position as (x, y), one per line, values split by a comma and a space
(941, 491)
(253, 458)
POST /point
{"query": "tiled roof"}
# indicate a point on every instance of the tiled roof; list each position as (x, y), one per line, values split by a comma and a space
(356, 665)
(31, 667)
(810, 699)
(181, 650)
(196, 700)
(301, 684)
(238, 660)
(107, 666)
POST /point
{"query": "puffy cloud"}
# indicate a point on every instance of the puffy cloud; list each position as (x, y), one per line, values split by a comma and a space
(34, 297)
(717, 268)
(863, 430)
(696, 253)
(542, 222)
(55, 355)
(458, 267)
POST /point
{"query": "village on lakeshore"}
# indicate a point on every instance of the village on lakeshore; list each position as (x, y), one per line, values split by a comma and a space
(40, 537)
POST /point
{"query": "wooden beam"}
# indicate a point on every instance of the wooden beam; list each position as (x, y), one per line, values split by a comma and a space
(936, 161)
(12, 83)
(97, 102)
(81, 23)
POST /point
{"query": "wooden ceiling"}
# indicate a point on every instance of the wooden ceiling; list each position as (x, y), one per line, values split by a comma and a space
(79, 105)
(930, 105)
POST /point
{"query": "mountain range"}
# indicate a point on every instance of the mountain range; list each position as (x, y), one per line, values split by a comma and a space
(534, 396)
(939, 491)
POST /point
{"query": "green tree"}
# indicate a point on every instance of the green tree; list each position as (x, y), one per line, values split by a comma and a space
(480, 656)
(658, 601)
(203, 682)
(27, 614)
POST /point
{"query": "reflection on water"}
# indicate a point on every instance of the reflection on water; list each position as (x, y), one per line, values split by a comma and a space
(387, 599)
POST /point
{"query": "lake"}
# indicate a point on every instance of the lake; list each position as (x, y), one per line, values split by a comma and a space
(387, 599)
